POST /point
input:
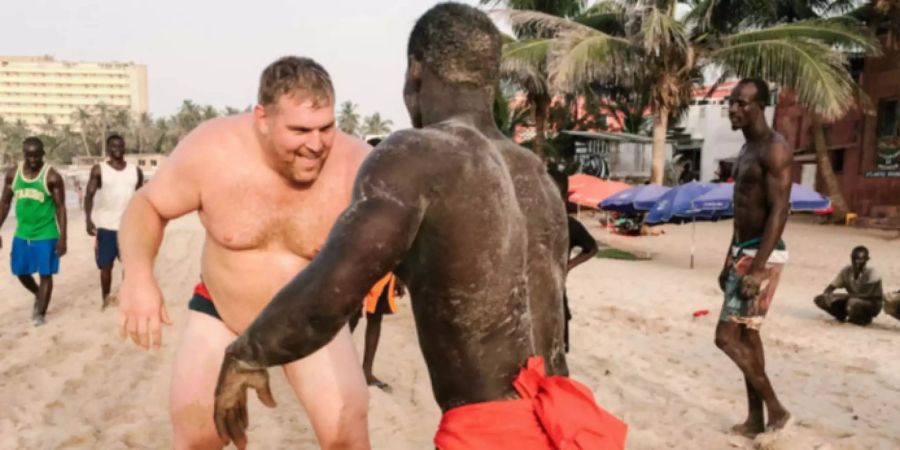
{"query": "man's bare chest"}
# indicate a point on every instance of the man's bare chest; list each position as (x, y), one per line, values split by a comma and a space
(248, 216)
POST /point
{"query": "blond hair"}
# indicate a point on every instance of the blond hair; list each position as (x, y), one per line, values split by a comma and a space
(292, 75)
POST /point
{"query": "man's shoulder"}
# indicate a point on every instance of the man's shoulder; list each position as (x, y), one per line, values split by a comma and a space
(212, 137)
(872, 274)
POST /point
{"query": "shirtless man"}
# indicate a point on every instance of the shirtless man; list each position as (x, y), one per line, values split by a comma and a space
(475, 228)
(268, 186)
(113, 182)
(756, 252)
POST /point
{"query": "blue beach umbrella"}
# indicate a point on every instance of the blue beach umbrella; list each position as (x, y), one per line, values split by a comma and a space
(676, 206)
(637, 198)
(719, 200)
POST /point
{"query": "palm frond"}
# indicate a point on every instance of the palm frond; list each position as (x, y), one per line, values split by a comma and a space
(845, 33)
(660, 32)
(524, 62)
(537, 23)
(580, 57)
(815, 71)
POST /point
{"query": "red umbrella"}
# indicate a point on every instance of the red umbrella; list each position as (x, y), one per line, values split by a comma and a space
(587, 190)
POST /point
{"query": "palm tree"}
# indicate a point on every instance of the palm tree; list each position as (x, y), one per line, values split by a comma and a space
(666, 53)
(348, 118)
(525, 59)
(825, 11)
(84, 121)
(375, 125)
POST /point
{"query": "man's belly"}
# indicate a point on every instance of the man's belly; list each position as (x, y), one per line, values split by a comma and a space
(242, 283)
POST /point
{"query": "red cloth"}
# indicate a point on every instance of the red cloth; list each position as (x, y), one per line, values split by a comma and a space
(555, 413)
(200, 290)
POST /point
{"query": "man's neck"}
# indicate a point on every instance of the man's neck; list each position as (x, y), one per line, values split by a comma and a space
(758, 131)
(31, 173)
(441, 103)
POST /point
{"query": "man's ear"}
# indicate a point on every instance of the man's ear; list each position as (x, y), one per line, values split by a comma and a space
(260, 116)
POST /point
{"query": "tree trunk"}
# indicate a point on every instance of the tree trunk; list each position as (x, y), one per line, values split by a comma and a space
(87, 150)
(658, 168)
(827, 172)
(541, 113)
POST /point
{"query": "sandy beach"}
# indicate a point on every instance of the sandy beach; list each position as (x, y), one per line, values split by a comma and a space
(73, 384)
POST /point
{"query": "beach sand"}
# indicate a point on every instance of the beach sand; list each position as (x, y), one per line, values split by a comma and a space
(73, 384)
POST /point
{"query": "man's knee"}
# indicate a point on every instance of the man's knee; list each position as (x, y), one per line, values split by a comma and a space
(724, 341)
(351, 429)
(194, 429)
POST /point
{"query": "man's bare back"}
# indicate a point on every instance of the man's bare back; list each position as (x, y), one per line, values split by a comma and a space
(476, 229)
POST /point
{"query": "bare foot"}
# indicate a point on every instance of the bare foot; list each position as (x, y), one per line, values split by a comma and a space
(748, 429)
(39, 320)
(111, 299)
(372, 381)
(777, 422)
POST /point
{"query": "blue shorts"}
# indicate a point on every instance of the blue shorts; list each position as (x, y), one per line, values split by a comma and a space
(106, 250)
(29, 257)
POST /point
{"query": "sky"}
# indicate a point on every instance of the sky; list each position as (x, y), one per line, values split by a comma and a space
(212, 52)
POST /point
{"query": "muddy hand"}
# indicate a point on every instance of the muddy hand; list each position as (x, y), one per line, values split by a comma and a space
(230, 413)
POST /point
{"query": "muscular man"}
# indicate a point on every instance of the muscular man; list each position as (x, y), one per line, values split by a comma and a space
(756, 252)
(268, 187)
(40, 236)
(864, 296)
(113, 182)
(475, 228)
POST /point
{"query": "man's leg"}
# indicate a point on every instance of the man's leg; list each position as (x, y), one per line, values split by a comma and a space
(892, 305)
(333, 392)
(105, 285)
(744, 347)
(373, 334)
(29, 283)
(861, 312)
(778, 415)
(194, 376)
(42, 301)
(834, 304)
(354, 319)
(728, 339)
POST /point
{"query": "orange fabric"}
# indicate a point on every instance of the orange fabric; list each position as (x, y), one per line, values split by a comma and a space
(371, 300)
(555, 413)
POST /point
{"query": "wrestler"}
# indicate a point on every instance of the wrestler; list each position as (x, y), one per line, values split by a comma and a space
(476, 229)
(268, 187)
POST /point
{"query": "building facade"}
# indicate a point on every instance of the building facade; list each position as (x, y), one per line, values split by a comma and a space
(864, 147)
(38, 89)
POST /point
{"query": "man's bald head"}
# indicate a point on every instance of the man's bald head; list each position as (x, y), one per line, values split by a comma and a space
(459, 44)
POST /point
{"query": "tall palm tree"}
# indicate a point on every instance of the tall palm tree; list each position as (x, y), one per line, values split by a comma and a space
(84, 121)
(666, 53)
(348, 118)
(375, 125)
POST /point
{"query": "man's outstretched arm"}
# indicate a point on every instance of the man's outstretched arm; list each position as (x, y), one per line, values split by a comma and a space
(369, 239)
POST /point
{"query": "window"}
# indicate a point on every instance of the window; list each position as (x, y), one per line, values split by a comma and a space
(888, 114)
(153, 162)
(837, 160)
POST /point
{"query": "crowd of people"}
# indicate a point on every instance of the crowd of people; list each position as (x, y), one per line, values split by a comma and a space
(308, 229)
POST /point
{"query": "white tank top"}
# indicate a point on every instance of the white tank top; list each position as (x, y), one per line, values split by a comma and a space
(116, 189)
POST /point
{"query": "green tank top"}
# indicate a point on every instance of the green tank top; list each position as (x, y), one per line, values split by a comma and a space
(35, 209)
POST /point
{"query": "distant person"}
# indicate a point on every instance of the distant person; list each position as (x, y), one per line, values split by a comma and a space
(40, 236)
(580, 238)
(112, 182)
(864, 296)
(756, 253)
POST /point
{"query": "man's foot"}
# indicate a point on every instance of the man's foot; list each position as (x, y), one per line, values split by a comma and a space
(372, 381)
(748, 429)
(779, 421)
(39, 320)
(110, 299)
